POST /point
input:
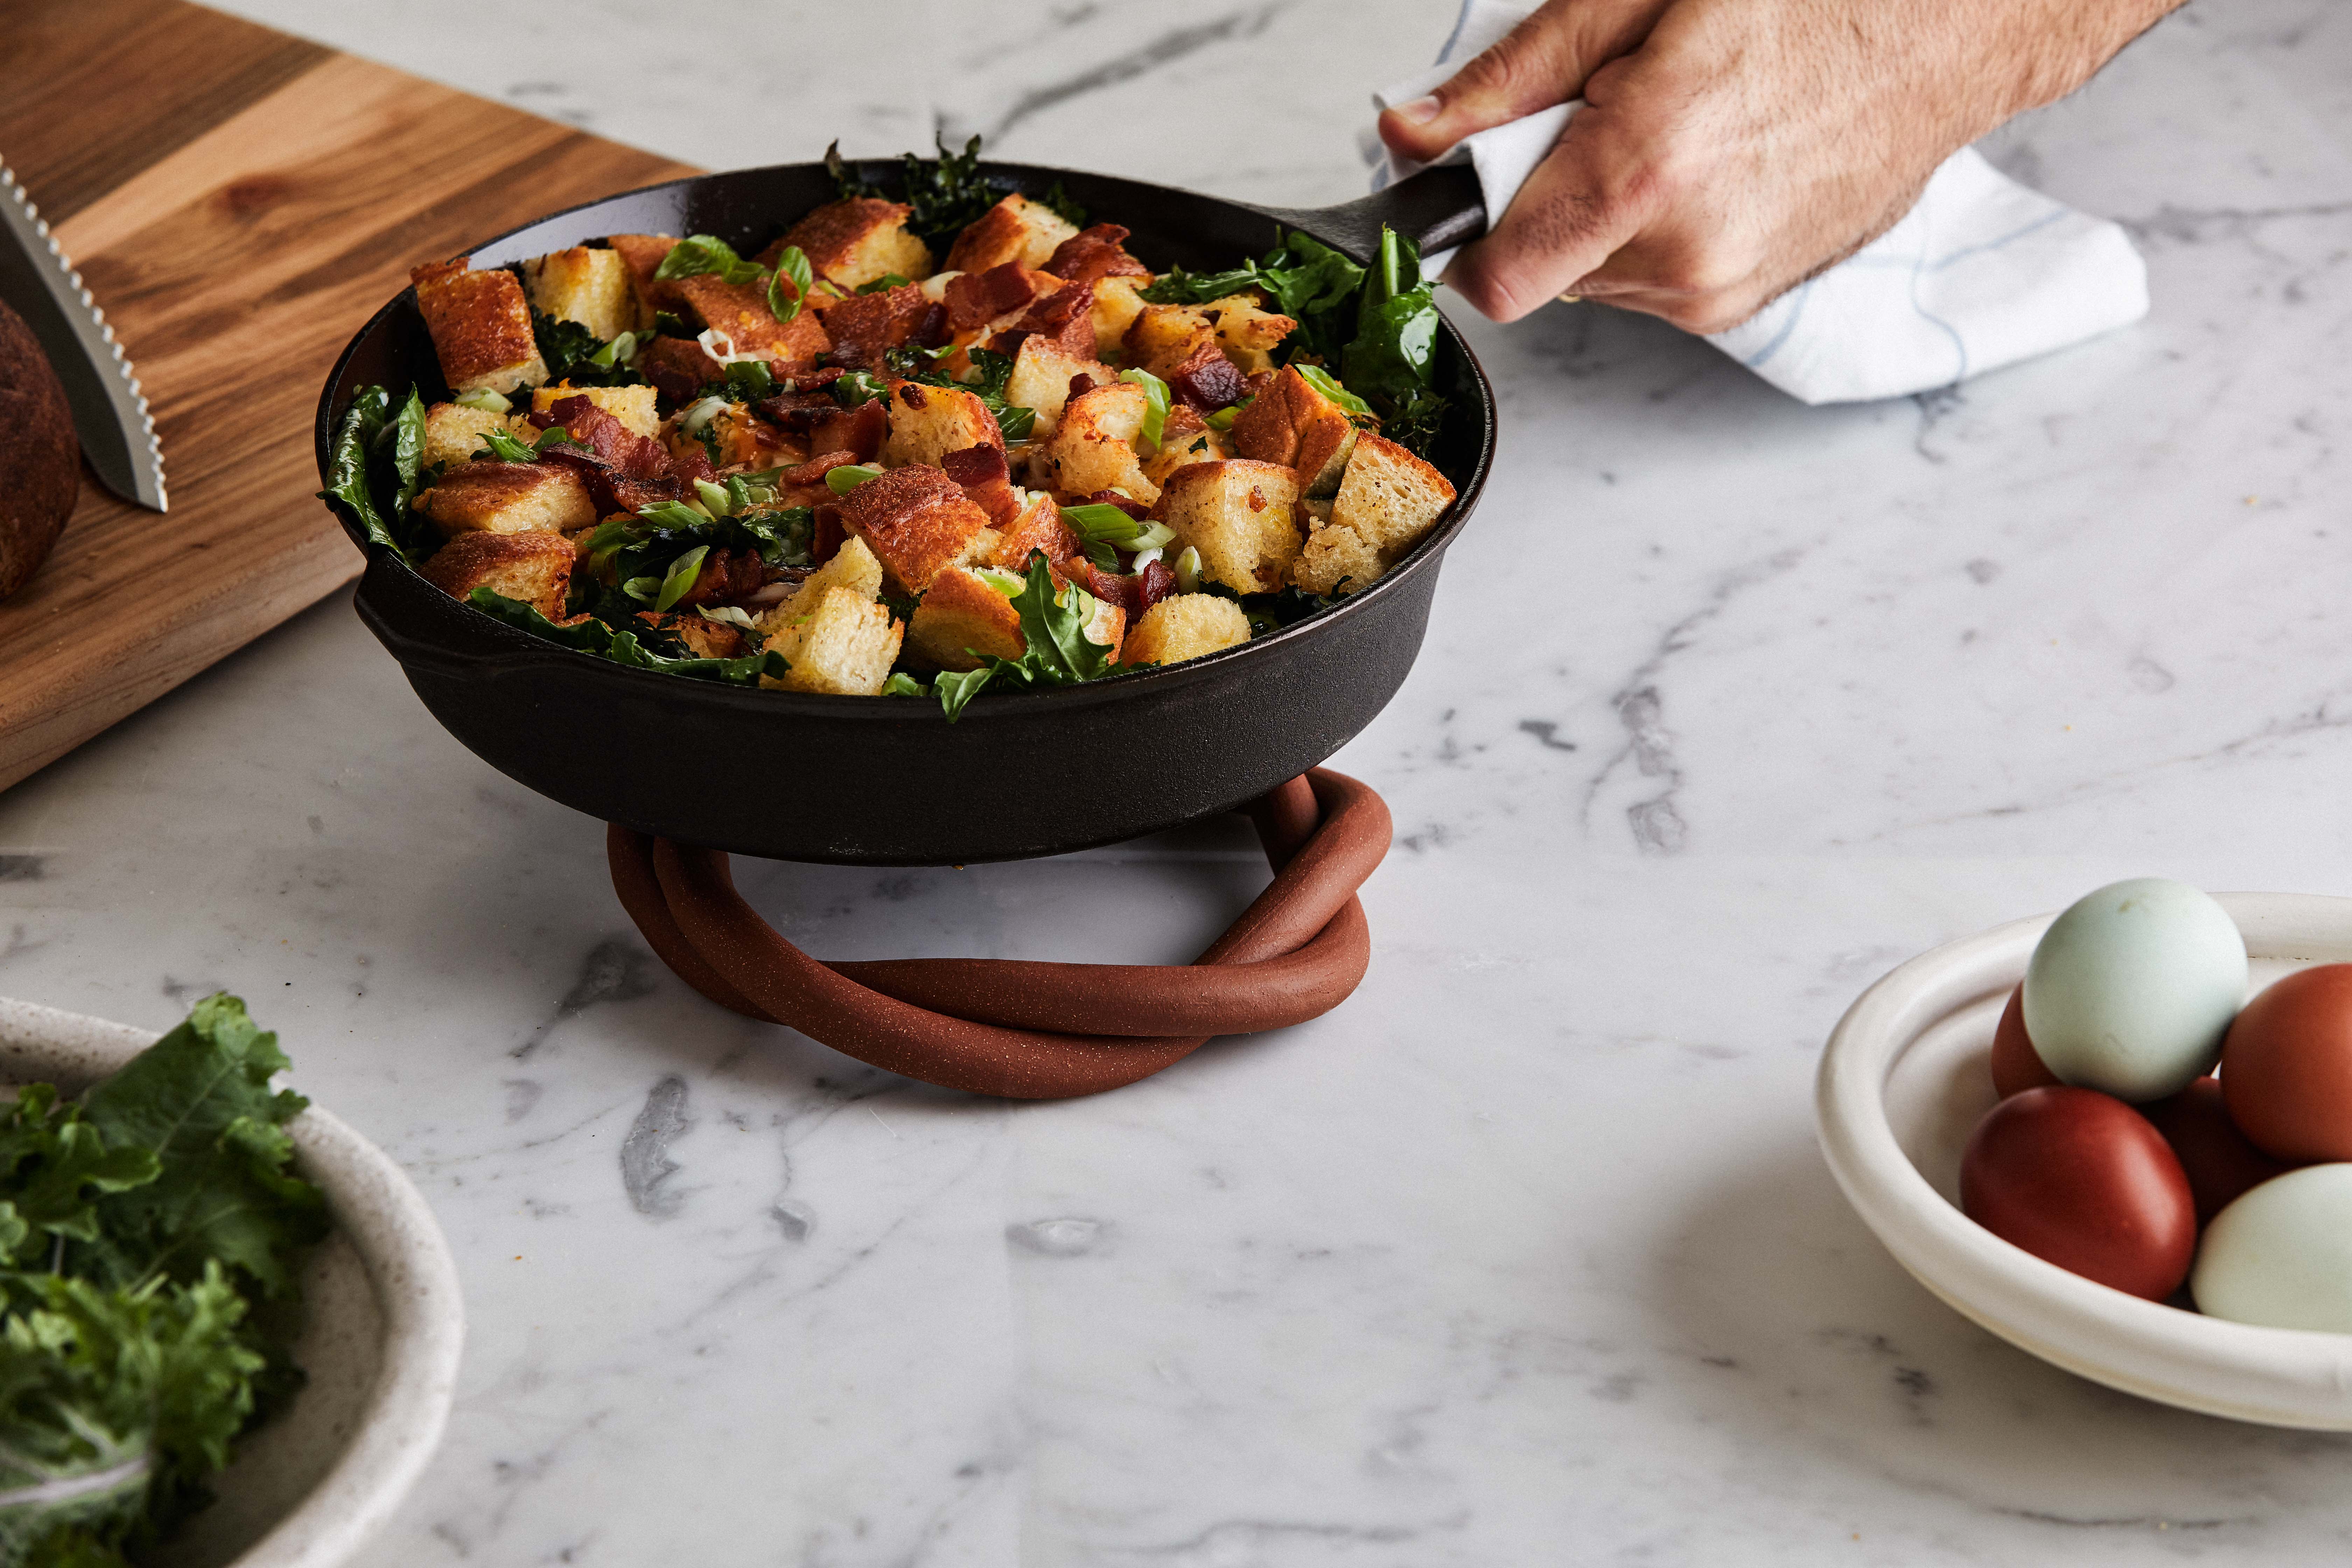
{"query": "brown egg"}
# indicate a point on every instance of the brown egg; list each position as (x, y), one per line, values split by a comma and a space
(2080, 1179)
(2217, 1160)
(2286, 1067)
(2016, 1065)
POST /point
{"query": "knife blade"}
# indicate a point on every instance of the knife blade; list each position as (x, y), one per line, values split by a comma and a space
(109, 411)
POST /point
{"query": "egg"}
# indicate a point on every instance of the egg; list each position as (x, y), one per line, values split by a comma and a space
(2081, 1180)
(2282, 1255)
(2016, 1065)
(2131, 989)
(2220, 1162)
(2286, 1069)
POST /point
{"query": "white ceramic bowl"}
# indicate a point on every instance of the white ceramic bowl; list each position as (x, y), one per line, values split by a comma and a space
(1902, 1084)
(385, 1327)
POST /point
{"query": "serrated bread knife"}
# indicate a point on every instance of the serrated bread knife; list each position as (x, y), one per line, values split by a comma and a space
(109, 412)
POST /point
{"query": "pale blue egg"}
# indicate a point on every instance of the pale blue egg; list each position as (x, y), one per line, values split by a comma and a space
(2282, 1255)
(2131, 989)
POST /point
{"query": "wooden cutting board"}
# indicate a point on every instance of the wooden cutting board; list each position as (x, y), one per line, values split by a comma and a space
(239, 201)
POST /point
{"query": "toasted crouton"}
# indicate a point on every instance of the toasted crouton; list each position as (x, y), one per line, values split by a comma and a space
(1182, 627)
(857, 239)
(926, 423)
(480, 325)
(632, 405)
(1185, 437)
(1039, 528)
(1094, 448)
(965, 617)
(1389, 496)
(1163, 337)
(1041, 381)
(535, 568)
(918, 522)
(845, 643)
(453, 432)
(1246, 332)
(740, 311)
(1336, 560)
(643, 255)
(852, 567)
(1292, 424)
(1116, 307)
(1015, 230)
(591, 286)
(1241, 516)
(508, 497)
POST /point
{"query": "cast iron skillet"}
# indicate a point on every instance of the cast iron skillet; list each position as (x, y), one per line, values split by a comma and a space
(888, 781)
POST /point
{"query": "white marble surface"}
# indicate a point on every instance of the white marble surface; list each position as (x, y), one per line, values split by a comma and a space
(1526, 1255)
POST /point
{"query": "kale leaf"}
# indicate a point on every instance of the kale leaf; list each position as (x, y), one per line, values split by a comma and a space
(1389, 362)
(1056, 648)
(919, 364)
(577, 355)
(626, 647)
(946, 193)
(368, 415)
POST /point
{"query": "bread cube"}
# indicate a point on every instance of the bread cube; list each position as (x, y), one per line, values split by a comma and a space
(1184, 438)
(926, 423)
(1039, 528)
(535, 568)
(863, 326)
(1015, 230)
(643, 255)
(1117, 304)
(918, 522)
(1163, 337)
(453, 432)
(508, 497)
(1389, 496)
(1241, 516)
(591, 286)
(964, 618)
(740, 311)
(852, 567)
(1292, 424)
(1185, 626)
(1041, 381)
(1093, 446)
(845, 643)
(480, 325)
(1336, 560)
(632, 405)
(856, 240)
(1246, 332)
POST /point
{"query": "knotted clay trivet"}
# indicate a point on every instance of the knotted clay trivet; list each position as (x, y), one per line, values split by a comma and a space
(1027, 1030)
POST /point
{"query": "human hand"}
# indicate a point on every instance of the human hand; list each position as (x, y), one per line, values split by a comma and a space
(1730, 149)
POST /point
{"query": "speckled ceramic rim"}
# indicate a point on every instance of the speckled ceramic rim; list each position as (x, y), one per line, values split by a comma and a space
(408, 1263)
(2280, 1377)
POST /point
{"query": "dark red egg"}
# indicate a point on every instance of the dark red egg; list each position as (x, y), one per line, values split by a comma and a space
(2080, 1179)
(2218, 1159)
(2286, 1067)
(2016, 1065)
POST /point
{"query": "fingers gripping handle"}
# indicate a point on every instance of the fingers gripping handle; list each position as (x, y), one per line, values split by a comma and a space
(1028, 1030)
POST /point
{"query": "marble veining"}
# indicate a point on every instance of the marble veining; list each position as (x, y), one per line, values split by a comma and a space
(1524, 1256)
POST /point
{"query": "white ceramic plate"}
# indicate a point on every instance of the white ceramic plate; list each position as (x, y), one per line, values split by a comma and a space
(381, 1347)
(1902, 1083)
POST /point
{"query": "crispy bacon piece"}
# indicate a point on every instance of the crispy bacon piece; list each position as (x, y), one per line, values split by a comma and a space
(1094, 254)
(862, 430)
(799, 412)
(832, 531)
(703, 639)
(678, 367)
(624, 471)
(981, 473)
(1065, 317)
(976, 298)
(803, 484)
(1134, 594)
(726, 574)
(1208, 381)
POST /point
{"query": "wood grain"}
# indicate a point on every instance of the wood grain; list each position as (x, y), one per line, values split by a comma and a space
(239, 202)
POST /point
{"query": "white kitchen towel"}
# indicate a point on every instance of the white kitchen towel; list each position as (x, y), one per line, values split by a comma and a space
(1981, 273)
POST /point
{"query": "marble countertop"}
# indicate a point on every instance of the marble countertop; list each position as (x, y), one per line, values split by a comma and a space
(1526, 1253)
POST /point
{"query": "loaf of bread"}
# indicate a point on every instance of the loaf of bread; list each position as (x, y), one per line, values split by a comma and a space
(40, 460)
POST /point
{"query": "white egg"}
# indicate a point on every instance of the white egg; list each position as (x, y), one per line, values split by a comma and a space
(2282, 1255)
(2131, 991)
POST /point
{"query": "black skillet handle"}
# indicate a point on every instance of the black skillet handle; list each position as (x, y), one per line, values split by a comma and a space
(1437, 209)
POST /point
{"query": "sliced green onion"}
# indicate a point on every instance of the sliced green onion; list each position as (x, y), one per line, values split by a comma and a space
(620, 351)
(1005, 583)
(1187, 568)
(1155, 536)
(503, 446)
(1155, 415)
(901, 684)
(848, 477)
(1144, 557)
(1325, 383)
(679, 580)
(1103, 523)
(888, 280)
(483, 398)
(1016, 423)
(701, 414)
(673, 514)
(726, 616)
(642, 589)
(1222, 419)
(715, 498)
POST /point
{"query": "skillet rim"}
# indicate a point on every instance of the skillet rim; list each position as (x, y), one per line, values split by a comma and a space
(523, 651)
